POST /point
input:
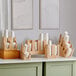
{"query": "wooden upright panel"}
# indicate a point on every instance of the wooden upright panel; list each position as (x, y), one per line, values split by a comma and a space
(49, 14)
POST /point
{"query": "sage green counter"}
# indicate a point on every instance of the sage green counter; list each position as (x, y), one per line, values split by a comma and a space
(38, 67)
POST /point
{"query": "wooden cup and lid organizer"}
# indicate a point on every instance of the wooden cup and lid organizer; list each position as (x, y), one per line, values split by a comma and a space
(66, 48)
(9, 48)
(8, 51)
(33, 47)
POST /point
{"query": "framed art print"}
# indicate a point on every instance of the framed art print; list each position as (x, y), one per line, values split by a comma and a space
(22, 14)
(49, 14)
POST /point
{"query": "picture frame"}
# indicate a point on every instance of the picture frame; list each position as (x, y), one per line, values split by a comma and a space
(49, 14)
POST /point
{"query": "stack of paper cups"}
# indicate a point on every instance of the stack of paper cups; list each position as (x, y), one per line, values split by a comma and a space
(13, 34)
(69, 51)
(67, 45)
(66, 38)
(46, 38)
(26, 48)
(56, 50)
(6, 33)
(50, 44)
(35, 46)
(30, 47)
(14, 44)
(42, 38)
(27, 54)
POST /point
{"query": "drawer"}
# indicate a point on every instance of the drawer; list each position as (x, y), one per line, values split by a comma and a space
(59, 69)
(31, 69)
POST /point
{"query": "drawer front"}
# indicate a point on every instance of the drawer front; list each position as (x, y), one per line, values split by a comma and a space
(34, 69)
(59, 69)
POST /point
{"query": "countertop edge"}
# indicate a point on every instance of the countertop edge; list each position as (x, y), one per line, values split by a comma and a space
(36, 60)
